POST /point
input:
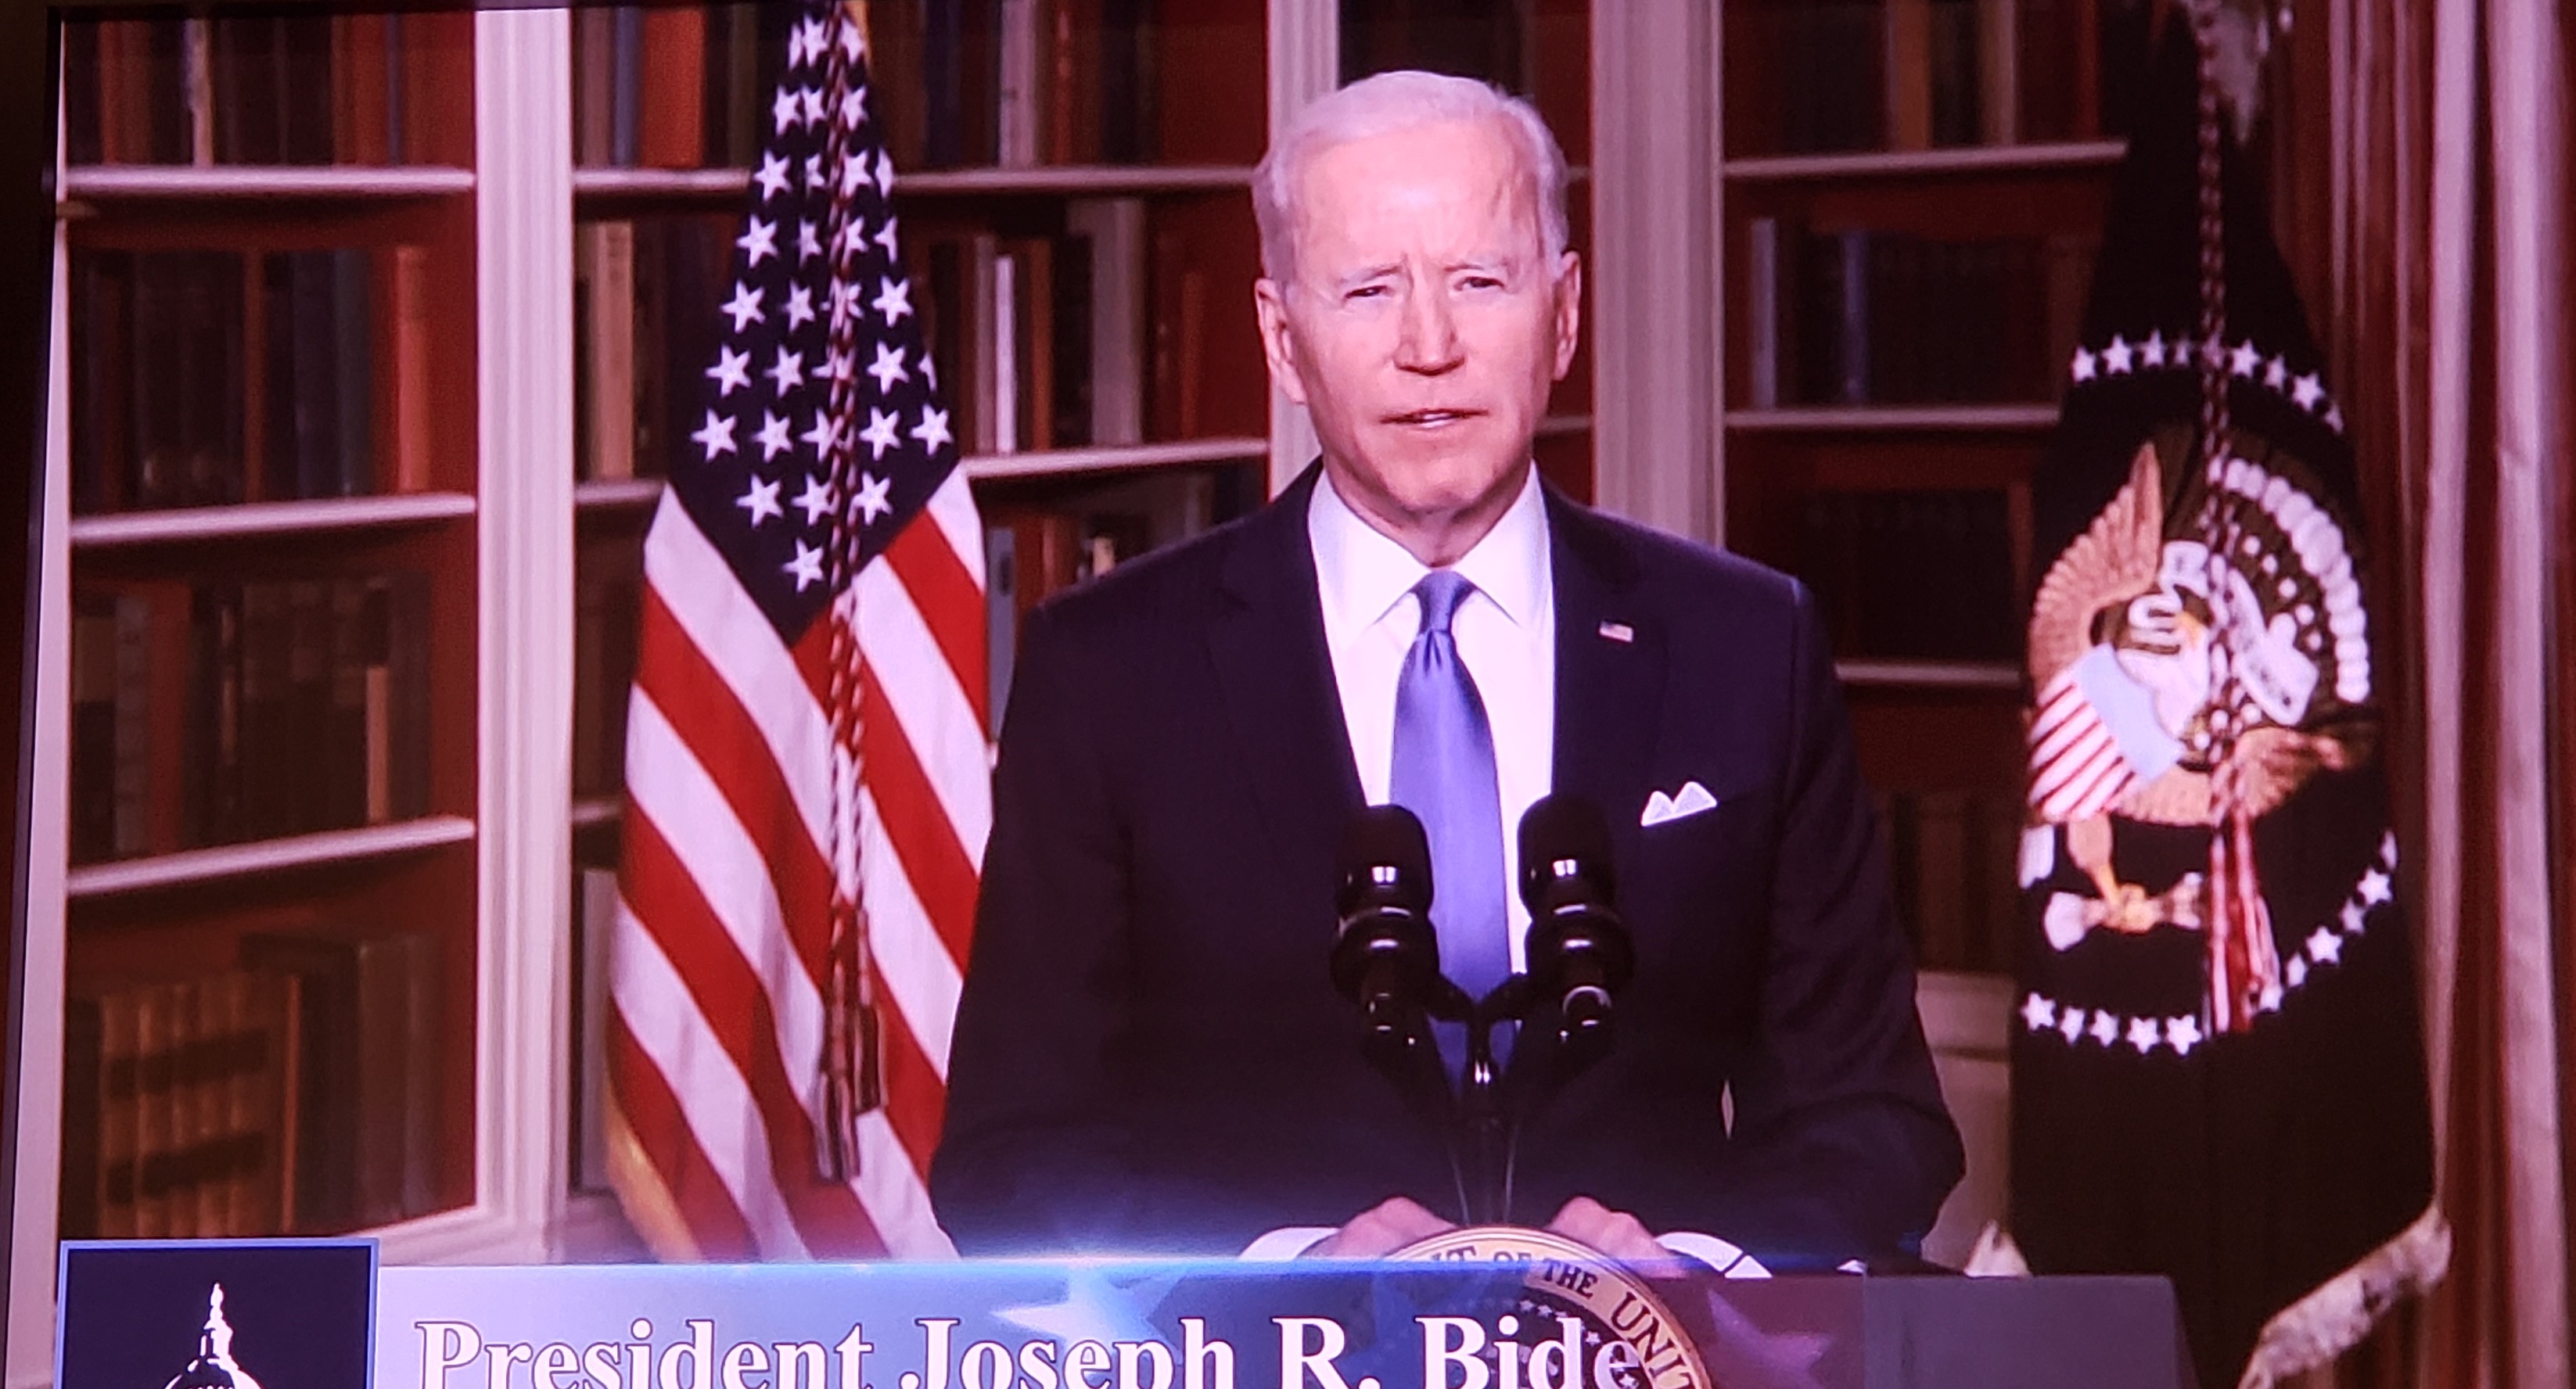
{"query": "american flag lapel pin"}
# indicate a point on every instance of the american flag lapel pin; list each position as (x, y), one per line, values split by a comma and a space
(1618, 631)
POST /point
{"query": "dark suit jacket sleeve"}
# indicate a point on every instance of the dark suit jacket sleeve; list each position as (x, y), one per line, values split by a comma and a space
(1035, 1155)
(1031, 1153)
(1841, 1142)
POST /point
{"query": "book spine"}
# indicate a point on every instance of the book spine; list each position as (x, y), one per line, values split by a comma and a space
(306, 83)
(984, 434)
(307, 708)
(671, 126)
(326, 1080)
(93, 727)
(1958, 116)
(276, 1001)
(154, 390)
(344, 734)
(197, 74)
(1036, 342)
(152, 1114)
(166, 92)
(648, 362)
(1762, 313)
(1070, 342)
(259, 754)
(1001, 622)
(1852, 359)
(1017, 97)
(408, 313)
(615, 348)
(943, 81)
(133, 775)
(212, 1177)
(595, 919)
(195, 383)
(397, 92)
(594, 85)
(281, 476)
(1909, 75)
(316, 390)
(166, 607)
(1999, 103)
(408, 666)
(197, 731)
(100, 346)
(626, 48)
(1003, 400)
(423, 1101)
(352, 382)
(220, 616)
(1116, 230)
(82, 1174)
(362, 73)
(376, 689)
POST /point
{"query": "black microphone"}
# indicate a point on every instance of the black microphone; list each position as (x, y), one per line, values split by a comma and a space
(1386, 957)
(1580, 953)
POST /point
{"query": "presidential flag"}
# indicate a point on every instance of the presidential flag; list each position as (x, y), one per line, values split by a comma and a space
(2217, 1065)
(806, 766)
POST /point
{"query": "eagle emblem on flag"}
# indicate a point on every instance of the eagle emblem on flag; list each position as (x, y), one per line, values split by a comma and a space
(2134, 634)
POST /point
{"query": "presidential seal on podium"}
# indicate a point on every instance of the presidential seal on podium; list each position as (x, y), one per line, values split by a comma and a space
(1579, 1318)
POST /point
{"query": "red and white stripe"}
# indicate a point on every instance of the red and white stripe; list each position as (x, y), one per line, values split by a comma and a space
(720, 960)
(2076, 768)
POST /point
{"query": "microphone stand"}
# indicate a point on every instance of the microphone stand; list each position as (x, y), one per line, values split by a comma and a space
(1490, 1114)
(1483, 1127)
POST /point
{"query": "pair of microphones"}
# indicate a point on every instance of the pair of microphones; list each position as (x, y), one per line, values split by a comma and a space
(1386, 957)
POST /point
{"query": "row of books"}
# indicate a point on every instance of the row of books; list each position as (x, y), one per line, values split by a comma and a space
(297, 1093)
(1018, 82)
(238, 89)
(1037, 547)
(953, 82)
(1860, 317)
(1041, 339)
(1056, 323)
(209, 377)
(1924, 576)
(222, 711)
(675, 87)
(1953, 856)
(1921, 74)
(645, 328)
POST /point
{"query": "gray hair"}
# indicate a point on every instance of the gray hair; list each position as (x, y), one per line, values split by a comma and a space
(1383, 105)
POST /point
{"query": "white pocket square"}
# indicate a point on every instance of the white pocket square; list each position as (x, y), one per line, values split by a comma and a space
(1690, 800)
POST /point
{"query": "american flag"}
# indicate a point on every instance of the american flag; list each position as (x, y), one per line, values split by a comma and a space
(806, 765)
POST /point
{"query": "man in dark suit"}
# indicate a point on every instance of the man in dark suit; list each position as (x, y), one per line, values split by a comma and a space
(1149, 1056)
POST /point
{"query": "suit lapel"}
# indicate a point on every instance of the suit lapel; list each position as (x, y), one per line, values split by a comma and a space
(1267, 643)
(1610, 665)
(1609, 707)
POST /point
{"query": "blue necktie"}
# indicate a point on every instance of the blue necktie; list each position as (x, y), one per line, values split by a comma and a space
(1443, 771)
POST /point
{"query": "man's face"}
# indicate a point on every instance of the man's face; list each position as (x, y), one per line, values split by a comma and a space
(1424, 323)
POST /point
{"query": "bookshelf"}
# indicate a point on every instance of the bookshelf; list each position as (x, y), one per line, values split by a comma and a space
(291, 667)
(271, 512)
(458, 230)
(465, 145)
(1907, 194)
(1910, 189)
(1659, 104)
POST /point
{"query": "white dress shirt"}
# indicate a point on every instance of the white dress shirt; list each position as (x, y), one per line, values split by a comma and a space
(1506, 637)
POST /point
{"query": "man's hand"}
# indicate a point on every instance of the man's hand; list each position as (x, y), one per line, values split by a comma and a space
(1379, 1231)
(1616, 1233)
